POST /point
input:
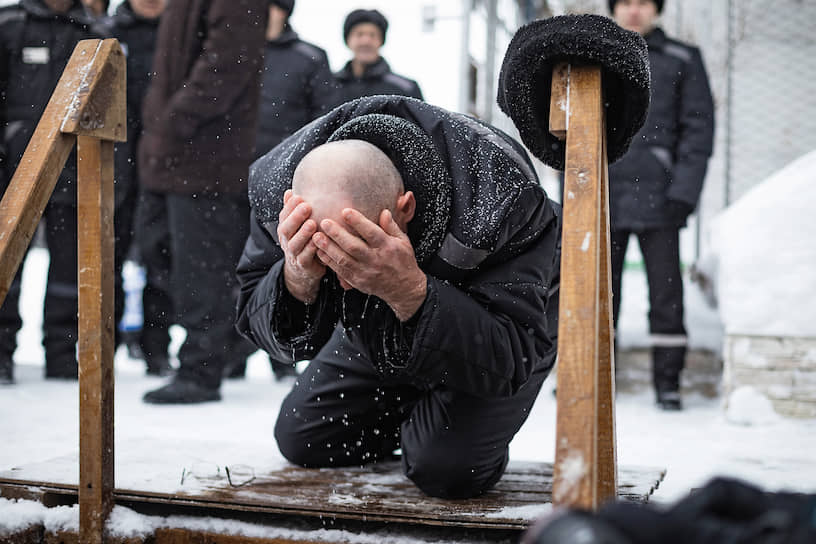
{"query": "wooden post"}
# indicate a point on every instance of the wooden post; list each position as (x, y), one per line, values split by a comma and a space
(97, 116)
(96, 447)
(585, 473)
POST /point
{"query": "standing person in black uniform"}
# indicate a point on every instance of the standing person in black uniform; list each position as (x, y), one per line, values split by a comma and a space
(657, 184)
(135, 25)
(417, 275)
(297, 84)
(367, 73)
(37, 37)
(296, 87)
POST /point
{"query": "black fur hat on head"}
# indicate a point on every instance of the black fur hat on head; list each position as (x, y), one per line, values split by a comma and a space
(364, 16)
(659, 4)
(526, 78)
(286, 5)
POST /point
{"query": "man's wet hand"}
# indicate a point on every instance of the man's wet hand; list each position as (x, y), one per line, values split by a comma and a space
(374, 259)
(302, 269)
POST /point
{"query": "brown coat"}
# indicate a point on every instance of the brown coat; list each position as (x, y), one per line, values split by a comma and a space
(200, 110)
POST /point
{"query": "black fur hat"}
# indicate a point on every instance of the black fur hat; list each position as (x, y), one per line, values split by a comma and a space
(658, 2)
(526, 77)
(286, 5)
(364, 16)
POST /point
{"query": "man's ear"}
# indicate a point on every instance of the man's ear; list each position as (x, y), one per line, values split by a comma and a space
(405, 209)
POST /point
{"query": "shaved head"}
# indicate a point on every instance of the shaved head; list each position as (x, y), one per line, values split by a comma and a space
(348, 174)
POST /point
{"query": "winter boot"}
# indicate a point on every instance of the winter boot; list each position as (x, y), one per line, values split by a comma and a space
(6, 370)
(158, 365)
(182, 391)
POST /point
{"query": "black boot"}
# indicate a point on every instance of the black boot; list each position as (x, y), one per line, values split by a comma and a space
(182, 391)
(6, 370)
(158, 365)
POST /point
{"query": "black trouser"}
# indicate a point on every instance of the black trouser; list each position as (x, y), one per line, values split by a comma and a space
(207, 236)
(60, 305)
(661, 255)
(340, 412)
(153, 242)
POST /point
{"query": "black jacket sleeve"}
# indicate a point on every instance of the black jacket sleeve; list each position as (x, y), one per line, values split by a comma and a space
(267, 314)
(696, 137)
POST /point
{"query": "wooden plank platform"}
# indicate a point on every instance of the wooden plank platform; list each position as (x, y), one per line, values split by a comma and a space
(373, 493)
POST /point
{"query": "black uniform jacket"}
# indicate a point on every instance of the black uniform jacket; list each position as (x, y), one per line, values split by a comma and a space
(296, 87)
(485, 233)
(35, 45)
(669, 155)
(376, 79)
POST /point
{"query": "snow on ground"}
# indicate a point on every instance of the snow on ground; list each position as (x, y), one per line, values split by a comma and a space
(40, 422)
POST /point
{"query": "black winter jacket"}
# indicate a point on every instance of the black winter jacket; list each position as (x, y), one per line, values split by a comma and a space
(35, 45)
(376, 79)
(137, 37)
(485, 233)
(296, 87)
(668, 157)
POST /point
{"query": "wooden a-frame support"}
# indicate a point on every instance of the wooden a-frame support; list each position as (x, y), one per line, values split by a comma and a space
(87, 107)
(585, 472)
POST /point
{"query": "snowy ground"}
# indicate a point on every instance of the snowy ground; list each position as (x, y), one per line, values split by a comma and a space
(40, 422)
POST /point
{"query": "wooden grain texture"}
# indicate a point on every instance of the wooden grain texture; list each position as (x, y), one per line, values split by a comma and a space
(559, 101)
(378, 493)
(95, 276)
(98, 108)
(584, 460)
(607, 444)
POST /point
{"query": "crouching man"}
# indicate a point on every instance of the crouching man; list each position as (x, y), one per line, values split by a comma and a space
(410, 254)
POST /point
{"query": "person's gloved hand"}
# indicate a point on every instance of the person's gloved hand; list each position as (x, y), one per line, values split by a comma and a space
(746, 514)
(678, 210)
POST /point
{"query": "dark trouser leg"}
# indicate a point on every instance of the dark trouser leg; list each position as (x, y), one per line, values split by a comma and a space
(661, 253)
(123, 236)
(207, 236)
(455, 445)
(619, 240)
(60, 315)
(340, 412)
(153, 241)
(10, 321)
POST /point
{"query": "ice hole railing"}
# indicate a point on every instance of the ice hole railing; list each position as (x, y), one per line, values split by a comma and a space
(87, 108)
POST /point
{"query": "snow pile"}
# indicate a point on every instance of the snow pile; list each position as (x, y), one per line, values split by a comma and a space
(766, 257)
(747, 406)
(17, 515)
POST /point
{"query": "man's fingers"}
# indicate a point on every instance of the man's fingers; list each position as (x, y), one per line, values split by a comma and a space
(300, 240)
(346, 240)
(390, 226)
(368, 230)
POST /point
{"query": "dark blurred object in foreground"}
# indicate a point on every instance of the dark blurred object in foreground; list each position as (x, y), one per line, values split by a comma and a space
(724, 511)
